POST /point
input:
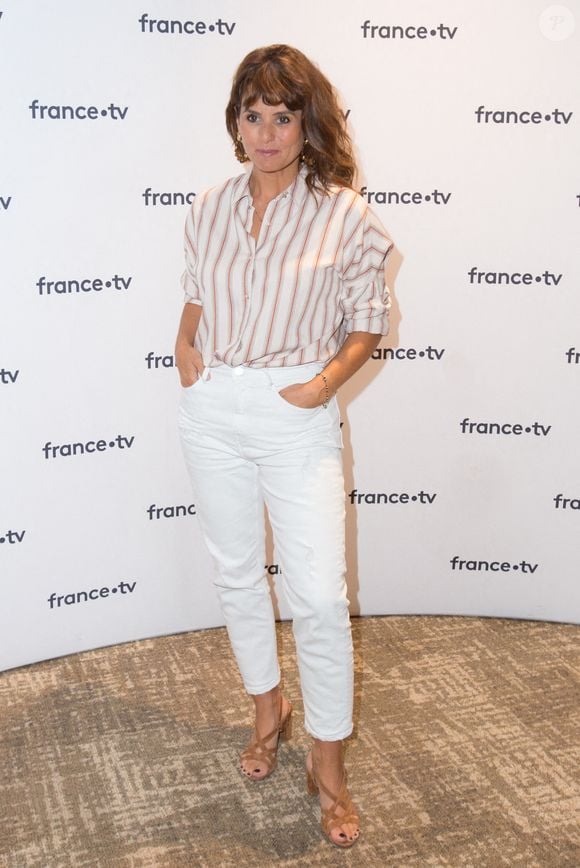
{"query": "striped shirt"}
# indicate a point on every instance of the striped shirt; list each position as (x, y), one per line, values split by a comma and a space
(315, 274)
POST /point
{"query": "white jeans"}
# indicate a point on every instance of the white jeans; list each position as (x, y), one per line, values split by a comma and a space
(245, 445)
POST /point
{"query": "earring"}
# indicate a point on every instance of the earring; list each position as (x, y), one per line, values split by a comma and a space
(307, 159)
(241, 155)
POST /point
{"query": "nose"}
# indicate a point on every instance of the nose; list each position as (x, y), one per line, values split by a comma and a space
(268, 132)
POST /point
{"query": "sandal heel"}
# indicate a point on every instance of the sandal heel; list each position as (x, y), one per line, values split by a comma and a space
(286, 730)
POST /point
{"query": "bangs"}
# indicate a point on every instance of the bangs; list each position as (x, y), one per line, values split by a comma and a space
(273, 87)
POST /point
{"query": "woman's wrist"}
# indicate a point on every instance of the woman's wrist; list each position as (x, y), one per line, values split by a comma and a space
(183, 342)
(325, 389)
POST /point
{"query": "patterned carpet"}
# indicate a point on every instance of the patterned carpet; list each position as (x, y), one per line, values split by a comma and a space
(466, 753)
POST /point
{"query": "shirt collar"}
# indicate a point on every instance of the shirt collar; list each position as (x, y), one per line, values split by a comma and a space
(293, 194)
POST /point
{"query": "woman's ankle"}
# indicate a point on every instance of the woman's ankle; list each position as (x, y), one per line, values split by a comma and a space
(328, 749)
(267, 702)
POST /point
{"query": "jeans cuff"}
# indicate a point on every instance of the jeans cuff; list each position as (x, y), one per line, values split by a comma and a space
(335, 736)
(254, 690)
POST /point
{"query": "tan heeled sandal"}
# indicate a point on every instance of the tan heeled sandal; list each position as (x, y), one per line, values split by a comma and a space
(329, 818)
(258, 751)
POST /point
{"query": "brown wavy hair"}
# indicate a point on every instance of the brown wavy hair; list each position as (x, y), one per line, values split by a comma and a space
(282, 74)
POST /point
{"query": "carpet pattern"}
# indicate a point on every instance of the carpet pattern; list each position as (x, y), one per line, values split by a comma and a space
(466, 752)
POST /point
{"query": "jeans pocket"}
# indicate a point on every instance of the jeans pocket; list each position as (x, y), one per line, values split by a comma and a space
(304, 411)
(200, 379)
(192, 386)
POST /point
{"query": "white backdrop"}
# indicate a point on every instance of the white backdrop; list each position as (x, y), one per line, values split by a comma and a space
(452, 508)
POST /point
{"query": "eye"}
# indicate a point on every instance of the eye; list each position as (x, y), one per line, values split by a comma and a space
(284, 119)
(251, 117)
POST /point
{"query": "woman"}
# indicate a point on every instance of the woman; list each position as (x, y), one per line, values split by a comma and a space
(285, 300)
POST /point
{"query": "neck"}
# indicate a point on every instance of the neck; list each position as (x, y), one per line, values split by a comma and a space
(267, 185)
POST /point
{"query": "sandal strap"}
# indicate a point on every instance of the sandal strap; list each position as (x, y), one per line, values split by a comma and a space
(258, 751)
(329, 817)
(342, 792)
(331, 821)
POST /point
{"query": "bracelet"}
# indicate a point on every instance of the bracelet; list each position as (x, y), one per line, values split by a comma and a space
(327, 399)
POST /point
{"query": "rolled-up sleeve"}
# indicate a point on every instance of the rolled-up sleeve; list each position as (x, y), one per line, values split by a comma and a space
(365, 297)
(193, 292)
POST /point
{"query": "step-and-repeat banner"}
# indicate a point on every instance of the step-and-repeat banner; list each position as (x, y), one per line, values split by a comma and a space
(461, 433)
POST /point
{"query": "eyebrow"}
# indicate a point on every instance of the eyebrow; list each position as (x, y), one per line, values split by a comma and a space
(254, 112)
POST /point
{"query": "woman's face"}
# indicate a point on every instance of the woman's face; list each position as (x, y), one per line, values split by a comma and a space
(272, 135)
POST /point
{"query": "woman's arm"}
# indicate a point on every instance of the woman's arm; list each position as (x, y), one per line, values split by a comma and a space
(357, 348)
(187, 359)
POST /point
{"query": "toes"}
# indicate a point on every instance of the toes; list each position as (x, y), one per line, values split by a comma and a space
(345, 834)
(254, 774)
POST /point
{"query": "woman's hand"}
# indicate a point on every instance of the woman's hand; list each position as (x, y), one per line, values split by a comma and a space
(189, 363)
(307, 395)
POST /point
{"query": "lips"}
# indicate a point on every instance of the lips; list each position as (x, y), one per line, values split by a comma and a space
(264, 153)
